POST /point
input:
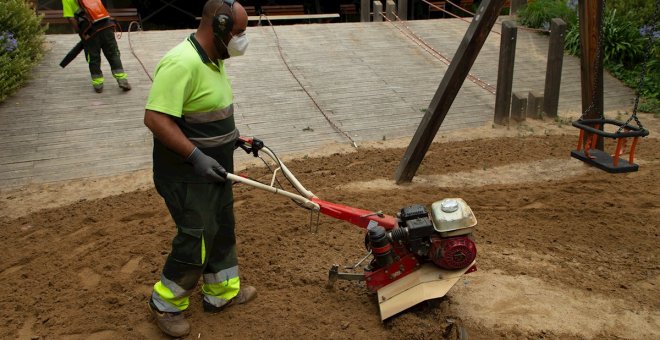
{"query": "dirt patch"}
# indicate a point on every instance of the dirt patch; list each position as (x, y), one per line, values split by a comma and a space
(565, 251)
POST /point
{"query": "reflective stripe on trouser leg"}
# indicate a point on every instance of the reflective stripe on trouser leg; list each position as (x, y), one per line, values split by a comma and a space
(97, 79)
(221, 287)
(119, 74)
(170, 297)
(173, 295)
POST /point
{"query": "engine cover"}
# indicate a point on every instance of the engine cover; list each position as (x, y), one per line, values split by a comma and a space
(453, 252)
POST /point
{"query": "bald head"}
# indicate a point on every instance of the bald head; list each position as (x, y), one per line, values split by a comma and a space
(216, 45)
(230, 8)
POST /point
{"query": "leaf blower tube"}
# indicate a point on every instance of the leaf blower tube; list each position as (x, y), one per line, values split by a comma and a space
(80, 46)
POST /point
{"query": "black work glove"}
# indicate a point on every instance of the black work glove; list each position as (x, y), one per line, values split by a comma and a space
(206, 166)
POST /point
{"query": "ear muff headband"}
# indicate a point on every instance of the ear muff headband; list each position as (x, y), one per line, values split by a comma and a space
(222, 23)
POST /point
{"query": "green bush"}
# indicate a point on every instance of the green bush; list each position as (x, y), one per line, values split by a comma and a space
(622, 43)
(624, 51)
(538, 14)
(21, 44)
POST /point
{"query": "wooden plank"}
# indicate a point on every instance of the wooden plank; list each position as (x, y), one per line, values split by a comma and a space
(553, 68)
(505, 72)
(458, 70)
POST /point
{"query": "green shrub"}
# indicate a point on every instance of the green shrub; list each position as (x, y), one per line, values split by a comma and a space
(624, 51)
(21, 44)
(538, 14)
(622, 43)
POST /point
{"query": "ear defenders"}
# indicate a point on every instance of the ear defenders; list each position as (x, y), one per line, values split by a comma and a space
(222, 23)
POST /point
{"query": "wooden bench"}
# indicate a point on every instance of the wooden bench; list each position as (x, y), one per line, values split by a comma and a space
(437, 7)
(282, 9)
(347, 10)
(54, 16)
(251, 10)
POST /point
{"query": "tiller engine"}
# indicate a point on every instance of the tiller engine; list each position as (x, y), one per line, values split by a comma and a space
(416, 256)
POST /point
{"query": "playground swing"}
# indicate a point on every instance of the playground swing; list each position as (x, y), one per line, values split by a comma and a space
(593, 129)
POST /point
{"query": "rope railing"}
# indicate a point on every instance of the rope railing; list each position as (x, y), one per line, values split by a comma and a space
(316, 104)
(538, 30)
(433, 52)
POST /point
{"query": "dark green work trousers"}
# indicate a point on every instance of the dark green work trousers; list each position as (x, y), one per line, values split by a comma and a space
(205, 240)
(105, 41)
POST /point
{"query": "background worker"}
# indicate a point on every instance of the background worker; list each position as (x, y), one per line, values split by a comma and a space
(96, 28)
(191, 114)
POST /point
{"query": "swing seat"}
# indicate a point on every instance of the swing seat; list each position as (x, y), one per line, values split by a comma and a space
(611, 163)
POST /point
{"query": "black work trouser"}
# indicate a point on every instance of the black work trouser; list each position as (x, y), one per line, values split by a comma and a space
(105, 41)
(204, 217)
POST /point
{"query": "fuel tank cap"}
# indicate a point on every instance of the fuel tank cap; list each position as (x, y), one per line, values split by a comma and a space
(449, 205)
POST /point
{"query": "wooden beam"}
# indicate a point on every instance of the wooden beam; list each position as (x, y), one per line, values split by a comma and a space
(553, 67)
(403, 9)
(505, 72)
(378, 11)
(451, 83)
(390, 10)
(519, 106)
(591, 63)
(365, 10)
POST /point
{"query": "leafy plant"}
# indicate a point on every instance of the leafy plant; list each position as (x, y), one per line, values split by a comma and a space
(538, 14)
(625, 49)
(21, 44)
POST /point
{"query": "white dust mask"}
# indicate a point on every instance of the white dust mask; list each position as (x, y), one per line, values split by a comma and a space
(237, 45)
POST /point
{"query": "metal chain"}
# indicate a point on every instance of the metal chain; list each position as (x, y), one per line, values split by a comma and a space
(640, 83)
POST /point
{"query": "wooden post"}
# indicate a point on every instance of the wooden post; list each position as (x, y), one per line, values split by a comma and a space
(553, 68)
(516, 5)
(505, 72)
(378, 10)
(519, 106)
(390, 9)
(403, 9)
(365, 11)
(451, 83)
(535, 105)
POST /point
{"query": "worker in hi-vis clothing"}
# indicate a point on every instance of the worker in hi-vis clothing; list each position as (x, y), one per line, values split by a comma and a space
(96, 28)
(191, 114)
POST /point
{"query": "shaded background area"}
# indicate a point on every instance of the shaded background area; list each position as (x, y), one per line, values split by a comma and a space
(179, 14)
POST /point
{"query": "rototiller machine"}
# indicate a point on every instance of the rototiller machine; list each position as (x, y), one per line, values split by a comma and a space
(416, 256)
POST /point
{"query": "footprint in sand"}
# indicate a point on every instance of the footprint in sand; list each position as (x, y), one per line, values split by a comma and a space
(137, 216)
(131, 265)
(89, 278)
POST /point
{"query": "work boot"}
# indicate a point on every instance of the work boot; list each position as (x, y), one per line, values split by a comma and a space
(245, 295)
(172, 324)
(98, 87)
(123, 83)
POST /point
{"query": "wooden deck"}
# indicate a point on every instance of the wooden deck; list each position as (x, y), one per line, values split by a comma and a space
(371, 81)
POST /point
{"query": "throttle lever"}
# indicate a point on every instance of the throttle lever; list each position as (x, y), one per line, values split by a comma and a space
(254, 145)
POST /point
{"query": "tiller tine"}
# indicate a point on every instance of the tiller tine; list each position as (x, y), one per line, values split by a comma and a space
(426, 283)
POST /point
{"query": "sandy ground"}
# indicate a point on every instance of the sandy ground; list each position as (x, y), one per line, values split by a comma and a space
(566, 251)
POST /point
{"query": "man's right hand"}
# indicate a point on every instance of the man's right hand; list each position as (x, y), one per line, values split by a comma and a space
(206, 166)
